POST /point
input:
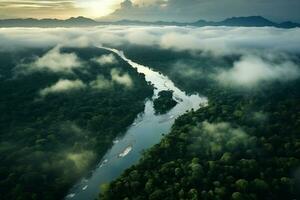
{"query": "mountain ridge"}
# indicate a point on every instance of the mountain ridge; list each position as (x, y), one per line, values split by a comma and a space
(250, 21)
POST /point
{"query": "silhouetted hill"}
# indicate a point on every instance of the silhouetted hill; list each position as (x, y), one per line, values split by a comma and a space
(256, 21)
(30, 22)
(289, 24)
(251, 21)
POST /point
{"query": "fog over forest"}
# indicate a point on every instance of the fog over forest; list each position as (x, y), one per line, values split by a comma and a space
(67, 104)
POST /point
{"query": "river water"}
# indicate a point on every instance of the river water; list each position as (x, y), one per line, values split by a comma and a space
(146, 131)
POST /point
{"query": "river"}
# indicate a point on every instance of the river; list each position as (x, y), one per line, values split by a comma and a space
(146, 131)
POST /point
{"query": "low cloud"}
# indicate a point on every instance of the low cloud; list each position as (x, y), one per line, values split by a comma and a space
(215, 40)
(122, 79)
(139, 36)
(181, 41)
(247, 42)
(82, 159)
(253, 70)
(63, 86)
(101, 83)
(55, 61)
(187, 69)
(52, 61)
(108, 59)
(218, 138)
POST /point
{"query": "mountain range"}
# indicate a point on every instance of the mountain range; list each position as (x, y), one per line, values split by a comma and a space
(251, 21)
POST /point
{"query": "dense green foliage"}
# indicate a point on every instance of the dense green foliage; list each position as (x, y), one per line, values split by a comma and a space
(244, 146)
(164, 102)
(189, 71)
(49, 142)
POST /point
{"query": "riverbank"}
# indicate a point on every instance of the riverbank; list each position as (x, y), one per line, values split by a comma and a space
(146, 131)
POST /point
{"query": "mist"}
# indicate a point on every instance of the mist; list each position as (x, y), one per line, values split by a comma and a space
(253, 70)
(215, 40)
(63, 86)
(258, 54)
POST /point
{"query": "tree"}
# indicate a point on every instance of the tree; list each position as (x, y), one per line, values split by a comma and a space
(156, 195)
(241, 185)
(193, 194)
(237, 196)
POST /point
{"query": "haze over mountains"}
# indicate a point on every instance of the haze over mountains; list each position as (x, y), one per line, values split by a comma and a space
(251, 21)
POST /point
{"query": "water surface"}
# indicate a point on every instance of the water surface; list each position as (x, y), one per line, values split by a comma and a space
(146, 131)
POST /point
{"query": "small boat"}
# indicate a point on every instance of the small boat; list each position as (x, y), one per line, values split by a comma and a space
(85, 187)
(103, 163)
(178, 99)
(126, 151)
(71, 195)
(116, 141)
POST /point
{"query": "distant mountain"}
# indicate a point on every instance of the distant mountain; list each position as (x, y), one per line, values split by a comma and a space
(45, 23)
(137, 22)
(288, 24)
(251, 21)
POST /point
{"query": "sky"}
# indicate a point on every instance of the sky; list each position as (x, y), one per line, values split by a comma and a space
(151, 10)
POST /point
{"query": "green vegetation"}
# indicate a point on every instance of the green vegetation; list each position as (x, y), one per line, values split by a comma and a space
(56, 123)
(164, 102)
(244, 146)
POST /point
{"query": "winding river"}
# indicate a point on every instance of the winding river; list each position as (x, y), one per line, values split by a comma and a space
(146, 131)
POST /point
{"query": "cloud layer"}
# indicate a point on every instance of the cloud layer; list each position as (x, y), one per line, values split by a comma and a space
(56, 61)
(63, 85)
(122, 79)
(258, 48)
(56, 8)
(192, 10)
(218, 138)
(253, 70)
(101, 83)
(216, 40)
(108, 59)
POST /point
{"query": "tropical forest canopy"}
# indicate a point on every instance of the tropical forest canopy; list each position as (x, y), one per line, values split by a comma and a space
(244, 145)
(61, 108)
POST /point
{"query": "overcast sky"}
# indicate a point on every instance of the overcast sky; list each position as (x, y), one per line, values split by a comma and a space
(150, 10)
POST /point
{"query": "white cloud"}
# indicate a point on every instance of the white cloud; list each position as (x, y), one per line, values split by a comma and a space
(123, 79)
(108, 59)
(101, 83)
(218, 138)
(179, 41)
(55, 61)
(230, 40)
(216, 40)
(141, 37)
(82, 159)
(147, 2)
(253, 70)
(63, 86)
